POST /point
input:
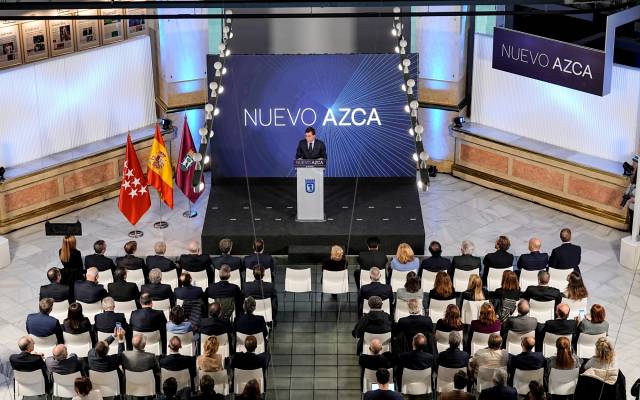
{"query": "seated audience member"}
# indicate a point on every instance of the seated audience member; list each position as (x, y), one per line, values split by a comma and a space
(604, 358)
(120, 289)
(76, 323)
(106, 321)
(492, 356)
(71, 260)
(248, 323)
(408, 327)
(404, 260)
(159, 261)
(210, 360)
(63, 363)
(226, 293)
(100, 360)
(28, 360)
(487, 322)
(535, 260)
(98, 259)
(521, 323)
(375, 321)
(129, 260)
(89, 291)
(139, 360)
(372, 257)
(41, 324)
(505, 297)
(383, 378)
(467, 261)
(542, 292)
(436, 262)
(453, 357)
(475, 291)
(55, 290)
(411, 289)
(248, 359)
(375, 288)
(536, 391)
(158, 290)
(528, 360)
(84, 390)
(336, 260)
(174, 361)
(594, 323)
(251, 391)
(442, 288)
(215, 324)
(259, 289)
(459, 392)
(575, 287)
(567, 255)
(193, 261)
(171, 392)
(561, 325)
(564, 359)
(451, 321)
(192, 298)
(146, 319)
(418, 358)
(225, 257)
(376, 359)
(207, 390)
(500, 259)
(259, 256)
(500, 391)
(177, 321)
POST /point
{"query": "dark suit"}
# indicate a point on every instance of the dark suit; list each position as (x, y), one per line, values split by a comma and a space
(106, 322)
(375, 362)
(262, 290)
(226, 259)
(56, 291)
(194, 262)
(434, 264)
(178, 362)
(263, 259)
(225, 290)
(380, 394)
(69, 365)
(89, 292)
(99, 261)
(27, 362)
(465, 262)
(148, 320)
(124, 291)
(526, 361)
(189, 293)
(318, 150)
(108, 363)
(43, 325)
(159, 291)
(411, 325)
(249, 361)
(131, 262)
(533, 261)
(453, 358)
(215, 326)
(560, 327)
(499, 259)
(566, 256)
(374, 289)
(542, 293)
(456, 395)
(414, 359)
(376, 321)
(162, 263)
(499, 393)
(372, 258)
(251, 324)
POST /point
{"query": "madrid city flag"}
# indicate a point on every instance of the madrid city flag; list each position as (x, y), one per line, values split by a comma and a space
(134, 198)
(159, 173)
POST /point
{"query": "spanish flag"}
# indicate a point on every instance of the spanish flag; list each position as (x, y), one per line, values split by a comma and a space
(159, 172)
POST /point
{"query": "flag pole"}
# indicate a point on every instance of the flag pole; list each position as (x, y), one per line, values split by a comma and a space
(160, 224)
(190, 213)
(135, 233)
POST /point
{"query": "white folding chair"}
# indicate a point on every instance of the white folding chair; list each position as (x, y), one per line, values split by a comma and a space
(445, 378)
(297, 281)
(514, 341)
(29, 383)
(549, 344)
(199, 278)
(442, 340)
(63, 385)
(79, 344)
(563, 381)
(125, 307)
(183, 377)
(90, 310)
(106, 382)
(471, 310)
(528, 278)
(385, 339)
(154, 342)
(494, 278)
(575, 306)
(437, 308)
(136, 276)
(522, 378)
(266, 278)
(164, 306)
(416, 382)
(485, 378)
(170, 278)
(558, 278)
(45, 344)
(386, 307)
(60, 310)
(586, 347)
(242, 376)
(113, 347)
(461, 278)
(369, 378)
(240, 337)
(263, 307)
(188, 344)
(542, 310)
(139, 383)
(234, 278)
(220, 378)
(105, 277)
(402, 310)
(223, 344)
(427, 280)
(334, 282)
(480, 341)
(399, 278)
(365, 277)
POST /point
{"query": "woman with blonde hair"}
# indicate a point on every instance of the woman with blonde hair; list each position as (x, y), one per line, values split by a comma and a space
(475, 291)
(336, 261)
(405, 259)
(210, 360)
(604, 357)
(71, 260)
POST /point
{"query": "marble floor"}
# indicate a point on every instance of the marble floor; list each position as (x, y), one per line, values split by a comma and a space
(453, 210)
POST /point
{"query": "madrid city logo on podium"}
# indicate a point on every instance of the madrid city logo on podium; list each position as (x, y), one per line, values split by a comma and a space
(310, 185)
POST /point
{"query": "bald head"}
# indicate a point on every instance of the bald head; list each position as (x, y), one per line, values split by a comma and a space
(59, 352)
(374, 273)
(375, 346)
(523, 307)
(139, 342)
(562, 311)
(534, 244)
(92, 274)
(528, 343)
(419, 342)
(25, 343)
(193, 247)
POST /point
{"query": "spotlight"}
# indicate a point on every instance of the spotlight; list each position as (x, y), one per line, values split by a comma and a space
(414, 108)
(216, 111)
(411, 131)
(415, 157)
(218, 66)
(224, 71)
(208, 110)
(166, 124)
(396, 10)
(410, 84)
(206, 159)
(458, 122)
(220, 89)
(213, 86)
(394, 32)
(201, 187)
(406, 109)
(211, 134)
(423, 156)
(203, 132)
(403, 44)
(222, 49)
(403, 87)
(405, 64)
(396, 49)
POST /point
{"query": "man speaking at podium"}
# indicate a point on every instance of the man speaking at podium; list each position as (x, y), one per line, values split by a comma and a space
(311, 148)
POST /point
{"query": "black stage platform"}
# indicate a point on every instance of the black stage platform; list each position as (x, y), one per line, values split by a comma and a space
(385, 207)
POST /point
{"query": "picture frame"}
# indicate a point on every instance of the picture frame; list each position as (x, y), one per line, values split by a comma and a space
(61, 37)
(87, 31)
(35, 44)
(10, 48)
(112, 30)
(136, 26)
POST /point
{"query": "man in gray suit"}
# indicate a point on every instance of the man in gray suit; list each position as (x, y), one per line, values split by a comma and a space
(138, 360)
(63, 363)
(520, 324)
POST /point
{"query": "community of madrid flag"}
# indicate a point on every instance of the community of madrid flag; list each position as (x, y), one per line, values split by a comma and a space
(134, 198)
(186, 165)
(159, 173)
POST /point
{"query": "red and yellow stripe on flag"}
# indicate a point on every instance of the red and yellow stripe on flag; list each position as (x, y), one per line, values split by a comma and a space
(159, 172)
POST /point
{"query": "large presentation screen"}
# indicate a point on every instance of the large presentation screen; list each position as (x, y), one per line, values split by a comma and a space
(355, 103)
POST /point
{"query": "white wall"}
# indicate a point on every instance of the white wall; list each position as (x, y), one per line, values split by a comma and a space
(607, 126)
(68, 101)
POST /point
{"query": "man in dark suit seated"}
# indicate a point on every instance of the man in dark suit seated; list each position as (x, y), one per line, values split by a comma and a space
(226, 293)
(196, 262)
(415, 323)
(417, 359)
(99, 260)
(528, 360)
(100, 360)
(159, 261)
(138, 360)
(28, 361)
(535, 260)
(466, 261)
(567, 255)
(375, 288)
(559, 326)
(248, 323)
(259, 289)
(376, 359)
(500, 259)
(383, 377)
(311, 148)
(41, 324)
(63, 363)
(500, 391)
(90, 291)
(225, 257)
(453, 357)
(192, 297)
(522, 323)
(215, 325)
(259, 256)
(129, 260)
(107, 320)
(55, 290)
(146, 319)
(158, 290)
(248, 359)
(436, 262)
(174, 361)
(375, 321)
(120, 289)
(372, 257)
(542, 292)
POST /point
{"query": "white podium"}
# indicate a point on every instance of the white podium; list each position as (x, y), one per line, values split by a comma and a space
(310, 193)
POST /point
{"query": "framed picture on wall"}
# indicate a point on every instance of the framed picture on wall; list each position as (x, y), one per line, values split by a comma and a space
(112, 29)
(34, 41)
(10, 45)
(61, 37)
(87, 31)
(136, 26)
